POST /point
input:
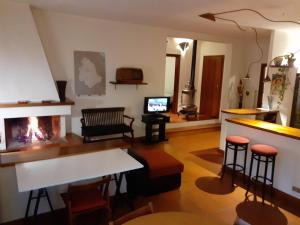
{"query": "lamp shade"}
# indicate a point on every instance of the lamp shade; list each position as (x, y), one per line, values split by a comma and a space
(183, 46)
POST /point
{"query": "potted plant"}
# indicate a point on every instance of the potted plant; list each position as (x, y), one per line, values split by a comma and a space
(290, 59)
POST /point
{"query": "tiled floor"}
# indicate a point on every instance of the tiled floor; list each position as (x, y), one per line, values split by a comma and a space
(202, 192)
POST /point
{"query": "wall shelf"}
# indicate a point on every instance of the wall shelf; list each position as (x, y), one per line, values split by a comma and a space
(127, 83)
(283, 66)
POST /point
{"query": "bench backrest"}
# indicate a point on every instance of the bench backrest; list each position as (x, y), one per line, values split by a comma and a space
(103, 116)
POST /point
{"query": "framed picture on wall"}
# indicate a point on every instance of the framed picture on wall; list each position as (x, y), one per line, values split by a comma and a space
(277, 84)
(90, 77)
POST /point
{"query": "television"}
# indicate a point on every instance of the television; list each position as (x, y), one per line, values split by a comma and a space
(154, 105)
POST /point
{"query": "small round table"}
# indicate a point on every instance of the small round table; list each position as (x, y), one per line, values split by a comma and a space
(172, 218)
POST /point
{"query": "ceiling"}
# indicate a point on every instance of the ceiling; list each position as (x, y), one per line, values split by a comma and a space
(180, 14)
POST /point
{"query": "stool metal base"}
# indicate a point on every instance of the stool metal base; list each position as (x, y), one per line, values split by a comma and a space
(264, 159)
(236, 148)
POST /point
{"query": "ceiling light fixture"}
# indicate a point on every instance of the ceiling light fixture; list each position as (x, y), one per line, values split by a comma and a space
(214, 16)
(183, 46)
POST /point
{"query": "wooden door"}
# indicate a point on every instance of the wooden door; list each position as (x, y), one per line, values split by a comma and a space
(211, 86)
(295, 114)
(174, 103)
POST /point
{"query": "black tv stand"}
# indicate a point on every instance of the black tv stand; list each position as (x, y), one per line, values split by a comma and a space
(155, 119)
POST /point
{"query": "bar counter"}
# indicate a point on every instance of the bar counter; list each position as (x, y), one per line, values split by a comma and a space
(269, 127)
(285, 139)
(256, 111)
(241, 113)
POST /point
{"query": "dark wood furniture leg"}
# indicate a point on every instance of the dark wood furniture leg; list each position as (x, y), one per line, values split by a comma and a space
(41, 194)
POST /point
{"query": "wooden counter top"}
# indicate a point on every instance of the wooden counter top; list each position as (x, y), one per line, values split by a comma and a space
(268, 127)
(248, 111)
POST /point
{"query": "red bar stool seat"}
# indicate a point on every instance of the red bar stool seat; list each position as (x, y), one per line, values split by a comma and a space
(237, 140)
(236, 144)
(262, 154)
(264, 150)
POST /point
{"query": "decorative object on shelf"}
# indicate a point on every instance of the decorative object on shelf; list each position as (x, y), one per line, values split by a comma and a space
(290, 59)
(47, 101)
(278, 60)
(129, 75)
(270, 102)
(90, 77)
(290, 63)
(61, 87)
(240, 90)
(23, 102)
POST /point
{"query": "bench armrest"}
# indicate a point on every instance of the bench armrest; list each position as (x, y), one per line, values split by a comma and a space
(82, 122)
(131, 118)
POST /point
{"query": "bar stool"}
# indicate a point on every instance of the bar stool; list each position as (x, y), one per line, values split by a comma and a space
(237, 144)
(265, 154)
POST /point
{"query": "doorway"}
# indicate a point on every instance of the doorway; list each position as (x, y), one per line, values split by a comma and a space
(211, 86)
(172, 79)
(263, 68)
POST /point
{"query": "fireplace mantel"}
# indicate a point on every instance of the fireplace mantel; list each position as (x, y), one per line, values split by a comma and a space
(34, 104)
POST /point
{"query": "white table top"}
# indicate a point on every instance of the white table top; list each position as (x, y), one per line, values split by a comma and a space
(173, 218)
(51, 172)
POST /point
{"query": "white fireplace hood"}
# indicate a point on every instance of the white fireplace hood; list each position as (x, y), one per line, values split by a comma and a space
(24, 70)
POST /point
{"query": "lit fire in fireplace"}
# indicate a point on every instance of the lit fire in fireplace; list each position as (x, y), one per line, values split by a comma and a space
(34, 133)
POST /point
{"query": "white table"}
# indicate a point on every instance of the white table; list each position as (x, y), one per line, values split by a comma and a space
(41, 174)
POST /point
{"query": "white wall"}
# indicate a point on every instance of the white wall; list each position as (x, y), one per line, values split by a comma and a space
(285, 42)
(252, 84)
(124, 45)
(24, 70)
(282, 43)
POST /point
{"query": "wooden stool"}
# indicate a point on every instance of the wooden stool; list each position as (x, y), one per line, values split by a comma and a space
(265, 154)
(237, 144)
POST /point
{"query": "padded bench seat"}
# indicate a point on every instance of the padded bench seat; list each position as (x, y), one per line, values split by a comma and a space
(161, 173)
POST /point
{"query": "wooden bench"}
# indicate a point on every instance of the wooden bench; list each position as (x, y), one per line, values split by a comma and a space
(105, 121)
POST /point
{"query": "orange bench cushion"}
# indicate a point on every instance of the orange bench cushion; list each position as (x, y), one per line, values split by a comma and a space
(160, 163)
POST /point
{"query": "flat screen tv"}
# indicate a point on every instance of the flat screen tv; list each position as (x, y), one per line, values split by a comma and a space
(156, 105)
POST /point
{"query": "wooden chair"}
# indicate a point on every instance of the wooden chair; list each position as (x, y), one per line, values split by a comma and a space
(86, 198)
(145, 210)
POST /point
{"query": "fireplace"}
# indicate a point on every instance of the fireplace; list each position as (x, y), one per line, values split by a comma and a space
(30, 131)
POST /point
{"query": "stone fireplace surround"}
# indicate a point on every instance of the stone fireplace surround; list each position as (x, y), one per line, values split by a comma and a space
(33, 109)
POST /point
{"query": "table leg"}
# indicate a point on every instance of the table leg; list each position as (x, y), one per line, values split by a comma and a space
(118, 183)
(48, 199)
(38, 198)
(28, 204)
(118, 192)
